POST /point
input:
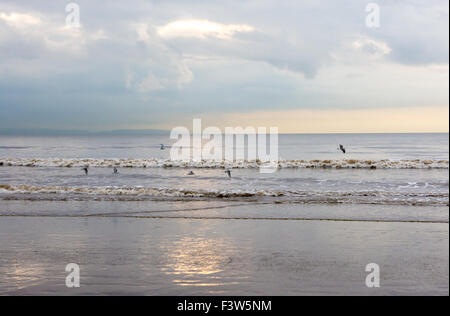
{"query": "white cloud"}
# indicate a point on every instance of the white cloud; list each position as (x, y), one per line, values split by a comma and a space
(36, 34)
(372, 47)
(20, 20)
(202, 29)
(361, 51)
(98, 35)
(158, 66)
(174, 73)
(142, 31)
(152, 83)
(185, 74)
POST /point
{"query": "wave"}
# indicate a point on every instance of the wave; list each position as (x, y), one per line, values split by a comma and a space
(242, 164)
(59, 193)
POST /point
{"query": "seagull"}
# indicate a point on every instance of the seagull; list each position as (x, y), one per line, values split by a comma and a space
(228, 172)
(342, 148)
(115, 171)
(162, 146)
(86, 170)
(191, 173)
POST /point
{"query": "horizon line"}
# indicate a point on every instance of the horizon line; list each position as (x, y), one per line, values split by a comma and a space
(30, 131)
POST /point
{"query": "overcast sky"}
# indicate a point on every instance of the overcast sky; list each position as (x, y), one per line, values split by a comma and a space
(304, 66)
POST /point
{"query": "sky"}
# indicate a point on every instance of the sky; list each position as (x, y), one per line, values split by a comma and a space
(302, 66)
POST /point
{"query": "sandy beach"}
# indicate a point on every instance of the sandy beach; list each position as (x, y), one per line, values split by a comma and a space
(211, 251)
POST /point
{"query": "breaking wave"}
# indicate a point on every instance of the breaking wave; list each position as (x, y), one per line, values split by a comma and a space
(243, 164)
(57, 193)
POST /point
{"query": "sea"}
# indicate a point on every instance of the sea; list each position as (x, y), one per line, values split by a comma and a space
(386, 169)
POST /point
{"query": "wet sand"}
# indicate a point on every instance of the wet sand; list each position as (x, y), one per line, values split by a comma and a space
(168, 253)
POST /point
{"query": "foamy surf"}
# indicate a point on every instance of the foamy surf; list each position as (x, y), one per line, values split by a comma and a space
(60, 193)
(241, 164)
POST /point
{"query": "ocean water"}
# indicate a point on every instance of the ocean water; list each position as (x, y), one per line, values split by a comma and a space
(385, 169)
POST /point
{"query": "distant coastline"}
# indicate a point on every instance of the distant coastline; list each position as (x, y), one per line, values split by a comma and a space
(55, 132)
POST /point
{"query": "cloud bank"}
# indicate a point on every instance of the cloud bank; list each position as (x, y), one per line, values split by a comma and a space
(153, 63)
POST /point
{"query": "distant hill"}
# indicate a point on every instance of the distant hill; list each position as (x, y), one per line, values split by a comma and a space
(43, 132)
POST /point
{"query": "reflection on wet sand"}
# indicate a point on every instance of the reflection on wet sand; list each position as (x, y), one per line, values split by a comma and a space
(198, 261)
(23, 275)
(205, 257)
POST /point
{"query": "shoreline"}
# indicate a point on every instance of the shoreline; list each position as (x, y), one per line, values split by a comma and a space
(208, 256)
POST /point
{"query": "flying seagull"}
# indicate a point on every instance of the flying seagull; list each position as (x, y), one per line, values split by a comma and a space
(342, 148)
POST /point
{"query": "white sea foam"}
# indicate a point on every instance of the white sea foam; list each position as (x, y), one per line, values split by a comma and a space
(242, 164)
(29, 192)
